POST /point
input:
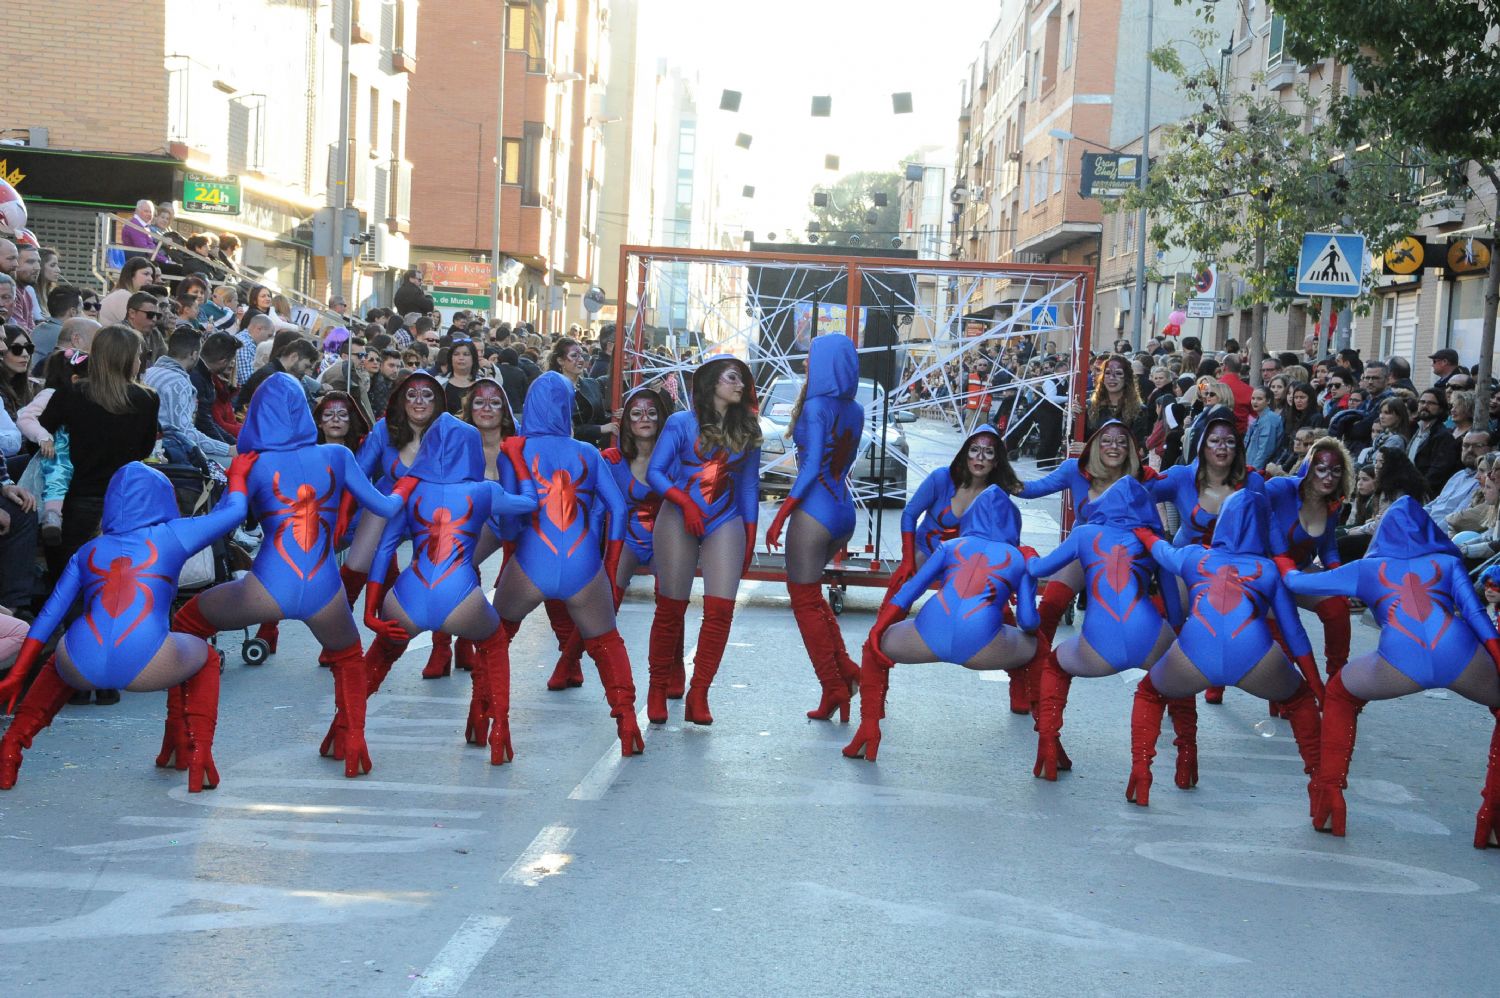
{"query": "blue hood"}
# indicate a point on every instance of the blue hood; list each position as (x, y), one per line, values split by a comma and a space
(1126, 505)
(993, 516)
(1088, 446)
(278, 417)
(1406, 531)
(832, 367)
(1243, 524)
(548, 411)
(140, 496)
(451, 451)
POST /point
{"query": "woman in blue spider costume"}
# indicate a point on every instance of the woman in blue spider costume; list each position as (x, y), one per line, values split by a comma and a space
(295, 490)
(1123, 629)
(559, 553)
(127, 579)
(1434, 634)
(977, 573)
(826, 426)
(1233, 588)
(707, 467)
(447, 502)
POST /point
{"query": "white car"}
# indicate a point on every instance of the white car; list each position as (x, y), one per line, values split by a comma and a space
(778, 456)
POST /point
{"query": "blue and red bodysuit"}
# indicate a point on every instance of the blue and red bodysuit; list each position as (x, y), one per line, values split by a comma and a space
(1233, 589)
(378, 456)
(127, 577)
(644, 505)
(450, 501)
(1069, 476)
(1414, 582)
(1122, 625)
(828, 433)
(980, 571)
(1179, 486)
(929, 512)
(724, 486)
(295, 489)
(560, 549)
(1288, 537)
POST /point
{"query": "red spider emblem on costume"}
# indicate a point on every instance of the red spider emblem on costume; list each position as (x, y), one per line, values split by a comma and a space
(1118, 572)
(1224, 589)
(1416, 599)
(713, 475)
(303, 516)
(121, 586)
(445, 536)
(975, 576)
(840, 457)
(557, 494)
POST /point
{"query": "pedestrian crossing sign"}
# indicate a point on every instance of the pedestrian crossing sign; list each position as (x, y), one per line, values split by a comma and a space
(1332, 265)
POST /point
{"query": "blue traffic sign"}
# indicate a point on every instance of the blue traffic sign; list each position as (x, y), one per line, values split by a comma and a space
(1332, 265)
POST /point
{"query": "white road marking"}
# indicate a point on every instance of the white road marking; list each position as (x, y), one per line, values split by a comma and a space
(1265, 864)
(543, 858)
(599, 779)
(450, 969)
(284, 836)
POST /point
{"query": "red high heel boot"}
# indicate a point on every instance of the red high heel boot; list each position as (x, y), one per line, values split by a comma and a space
(440, 660)
(349, 686)
(569, 669)
(269, 633)
(174, 736)
(201, 709)
(608, 652)
(464, 654)
(807, 598)
(1049, 717)
(1333, 612)
(1487, 823)
(47, 696)
(718, 615)
(495, 650)
(1301, 710)
(1184, 714)
(353, 582)
(1145, 728)
(1340, 727)
(677, 675)
(1055, 600)
(662, 653)
(848, 668)
(477, 727)
(1214, 695)
(874, 681)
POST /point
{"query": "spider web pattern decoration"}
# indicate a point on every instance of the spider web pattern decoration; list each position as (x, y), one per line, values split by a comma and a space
(915, 326)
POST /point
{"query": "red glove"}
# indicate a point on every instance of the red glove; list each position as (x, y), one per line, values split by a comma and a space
(239, 468)
(1284, 564)
(692, 516)
(908, 566)
(889, 614)
(1309, 670)
(404, 487)
(512, 447)
(10, 686)
(388, 629)
(345, 514)
(1146, 536)
(749, 548)
(612, 567)
(773, 533)
(1492, 646)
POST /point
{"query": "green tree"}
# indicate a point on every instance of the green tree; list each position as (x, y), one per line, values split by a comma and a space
(851, 208)
(1239, 181)
(1429, 76)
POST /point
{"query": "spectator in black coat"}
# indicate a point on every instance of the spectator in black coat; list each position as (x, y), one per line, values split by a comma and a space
(1433, 449)
(512, 376)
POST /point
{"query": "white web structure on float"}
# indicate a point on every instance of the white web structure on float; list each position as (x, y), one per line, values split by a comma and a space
(697, 306)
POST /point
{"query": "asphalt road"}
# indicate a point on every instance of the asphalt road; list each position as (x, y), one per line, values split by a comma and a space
(745, 858)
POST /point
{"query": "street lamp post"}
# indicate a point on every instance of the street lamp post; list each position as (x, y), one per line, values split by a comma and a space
(499, 163)
(1138, 316)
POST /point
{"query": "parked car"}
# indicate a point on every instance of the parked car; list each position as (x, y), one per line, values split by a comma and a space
(778, 459)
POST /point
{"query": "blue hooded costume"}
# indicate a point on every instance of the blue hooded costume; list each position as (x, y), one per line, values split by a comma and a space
(1287, 534)
(1179, 486)
(449, 502)
(378, 456)
(644, 503)
(723, 485)
(559, 547)
(929, 512)
(127, 577)
(1070, 475)
(980, 570)
(294, 490)
(828, 433)
(1413, 580)
(1122, 625)
(1233, 589)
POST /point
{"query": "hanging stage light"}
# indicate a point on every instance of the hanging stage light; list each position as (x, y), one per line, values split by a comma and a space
(729, 100)
(822, 107)
(901, 103)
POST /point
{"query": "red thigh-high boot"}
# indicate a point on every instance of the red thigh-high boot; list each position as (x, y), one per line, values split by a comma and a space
(349, 686)
(677, 676)
(569, 669)
(46, 697)
(1333, 612)
(874, 681)
(202, 711)
(190, 620)
(807, 598)
(353, 582)
(379, 658)
(269, 632)
(608, 653)
(663, 652)
(1487, 824)
(1301, 709)
(848, 670)
(464, 654)
(440, 660)
(1340, 725)
(718, 615)
(495, 651)
(1184, 714)
(1049, 718)
(174, 736)
(1145, 728)
(477, 728)
(1214, 695)
(1054, 603)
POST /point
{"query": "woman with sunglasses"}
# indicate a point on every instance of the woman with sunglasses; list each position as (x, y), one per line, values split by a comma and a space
(707, 466)
(17, 389)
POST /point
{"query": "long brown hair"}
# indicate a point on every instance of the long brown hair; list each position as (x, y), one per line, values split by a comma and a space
(1238, 471)
(112, 363)
(1002, 474)
(1329, 445)
(507, 415)
(397, 426)
(628, 445)
(1130, 396)
(559, 351)
(739, 429)
(1093, 464)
